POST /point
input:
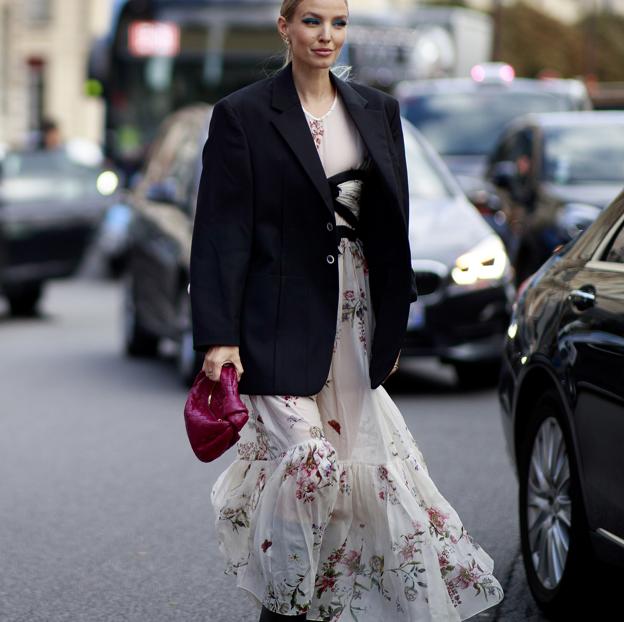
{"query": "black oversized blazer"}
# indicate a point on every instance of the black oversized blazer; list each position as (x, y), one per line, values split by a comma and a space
(264, 274)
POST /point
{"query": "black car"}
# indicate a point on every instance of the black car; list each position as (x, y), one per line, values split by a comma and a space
(463, 117)
(462, 270)
(562, 397)
(50, 205)
(555, 172)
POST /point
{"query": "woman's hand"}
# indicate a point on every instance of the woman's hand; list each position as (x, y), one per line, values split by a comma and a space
(217, 356)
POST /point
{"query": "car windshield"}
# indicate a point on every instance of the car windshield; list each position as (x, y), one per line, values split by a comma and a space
(470, 123)
(46, 176)
(584, 154)
(425, 179)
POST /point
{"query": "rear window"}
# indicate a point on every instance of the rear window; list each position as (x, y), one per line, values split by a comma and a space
(585, 154)
(470, 123)
(46, 176)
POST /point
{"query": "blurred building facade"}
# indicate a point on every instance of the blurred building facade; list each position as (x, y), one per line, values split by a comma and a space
(44, 47)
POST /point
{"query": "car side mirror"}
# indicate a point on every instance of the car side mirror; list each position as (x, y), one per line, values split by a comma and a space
(164, 191)
(503, 173)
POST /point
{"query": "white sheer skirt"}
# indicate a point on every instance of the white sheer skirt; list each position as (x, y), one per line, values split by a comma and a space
(329, 508)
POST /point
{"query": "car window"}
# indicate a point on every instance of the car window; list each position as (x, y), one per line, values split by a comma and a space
(615, 251)
(184, 165)
(470, 123)
(164, 152)
(46, 176)
(584, 154)
(424, 175)
(174, 158)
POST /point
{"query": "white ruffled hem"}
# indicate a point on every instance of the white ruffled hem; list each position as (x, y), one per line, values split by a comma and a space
(393, 548)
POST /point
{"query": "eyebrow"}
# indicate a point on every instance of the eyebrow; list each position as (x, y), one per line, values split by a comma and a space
(321, 17)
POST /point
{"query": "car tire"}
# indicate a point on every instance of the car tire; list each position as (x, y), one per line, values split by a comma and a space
(477, 375)
(24, 302)
(188, 361)
(552, 513)
(138, 341)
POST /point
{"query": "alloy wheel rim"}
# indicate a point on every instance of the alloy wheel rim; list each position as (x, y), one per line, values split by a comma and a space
(549, 507)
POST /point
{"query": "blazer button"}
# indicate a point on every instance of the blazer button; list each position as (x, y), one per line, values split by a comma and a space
(330, 259)
(330, 227)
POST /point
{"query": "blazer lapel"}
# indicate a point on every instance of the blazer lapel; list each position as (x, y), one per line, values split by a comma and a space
(293, 126)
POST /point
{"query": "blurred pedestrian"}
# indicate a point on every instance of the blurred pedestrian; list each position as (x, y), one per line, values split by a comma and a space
(50, 135)
(301, 277)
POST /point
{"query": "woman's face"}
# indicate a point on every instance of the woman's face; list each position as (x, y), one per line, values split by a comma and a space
(317, 32)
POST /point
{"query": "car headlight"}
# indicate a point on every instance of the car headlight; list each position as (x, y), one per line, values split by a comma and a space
(487, 261)
(107, 182)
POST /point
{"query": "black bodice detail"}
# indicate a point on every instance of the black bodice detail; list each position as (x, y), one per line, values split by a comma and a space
(342, 231)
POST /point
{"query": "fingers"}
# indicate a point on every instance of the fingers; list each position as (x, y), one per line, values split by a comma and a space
(217, 357)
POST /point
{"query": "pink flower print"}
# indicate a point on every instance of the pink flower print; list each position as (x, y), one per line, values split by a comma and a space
(408, 550)
(326, 583)
(467, 577)
(349, 294)
(317, 129)
(306, 488)
(437, 518)
(265, 545)
(337, 555)
(352, 561)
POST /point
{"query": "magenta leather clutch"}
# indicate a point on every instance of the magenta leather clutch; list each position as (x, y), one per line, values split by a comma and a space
(214, 414)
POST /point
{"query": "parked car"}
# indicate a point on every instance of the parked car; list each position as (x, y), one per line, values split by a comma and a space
(462, 270)
(463, 117)
(50, 205)
(562, 401)
(555, 172)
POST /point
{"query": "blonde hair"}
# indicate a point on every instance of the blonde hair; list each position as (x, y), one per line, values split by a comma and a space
(287, 11)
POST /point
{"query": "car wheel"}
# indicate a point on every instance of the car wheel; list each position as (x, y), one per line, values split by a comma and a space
(25, 301)
(553, 527)
(477, 375)
(189, 362)
(137, 340)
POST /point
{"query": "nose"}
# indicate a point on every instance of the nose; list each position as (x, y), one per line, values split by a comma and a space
(325, 33)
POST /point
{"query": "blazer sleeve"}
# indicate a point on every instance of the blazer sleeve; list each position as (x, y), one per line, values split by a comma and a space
(399, 148)
(222, 231)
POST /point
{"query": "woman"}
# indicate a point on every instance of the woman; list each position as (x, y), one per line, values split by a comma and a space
(301, 277)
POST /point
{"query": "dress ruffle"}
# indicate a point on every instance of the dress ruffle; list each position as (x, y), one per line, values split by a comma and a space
(393, 547)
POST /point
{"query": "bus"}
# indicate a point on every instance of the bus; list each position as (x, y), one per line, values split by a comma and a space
(159, 55)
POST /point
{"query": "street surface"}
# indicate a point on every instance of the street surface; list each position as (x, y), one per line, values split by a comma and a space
(105, 512)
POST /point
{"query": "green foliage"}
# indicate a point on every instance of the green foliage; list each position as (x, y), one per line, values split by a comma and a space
(604, 45)
(533, 41)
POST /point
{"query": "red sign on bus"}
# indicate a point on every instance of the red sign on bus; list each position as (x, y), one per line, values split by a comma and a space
(150, 38)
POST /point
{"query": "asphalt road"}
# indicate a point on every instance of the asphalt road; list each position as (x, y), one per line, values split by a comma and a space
(104, 511)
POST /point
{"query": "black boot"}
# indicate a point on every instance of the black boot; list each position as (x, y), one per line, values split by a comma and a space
(269, 616)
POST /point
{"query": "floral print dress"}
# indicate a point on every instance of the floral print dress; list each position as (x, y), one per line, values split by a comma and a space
(328, 507)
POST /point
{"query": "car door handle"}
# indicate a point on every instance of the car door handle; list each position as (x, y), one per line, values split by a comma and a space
(583, 298)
